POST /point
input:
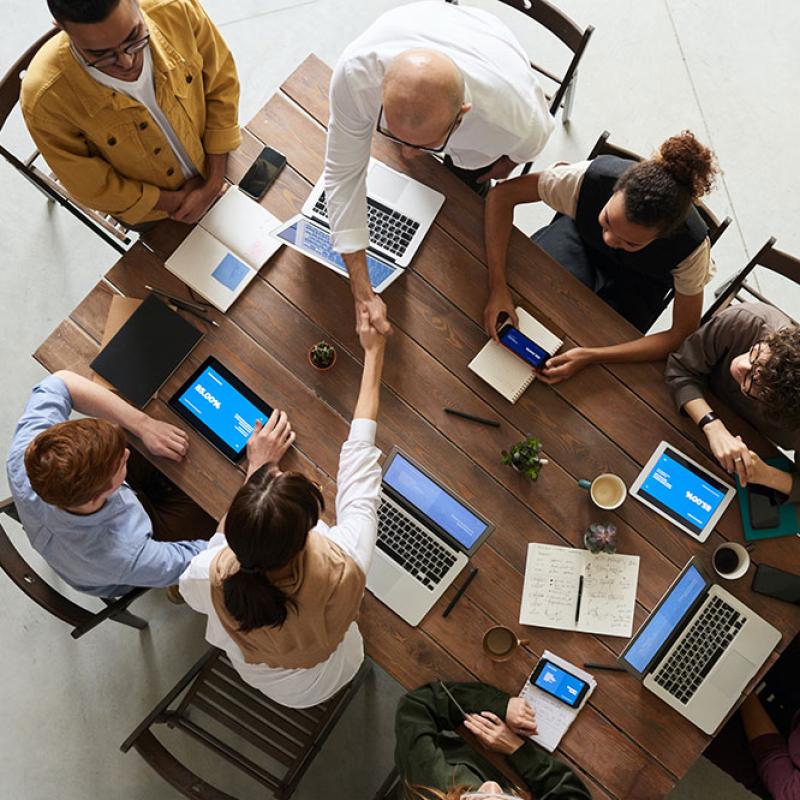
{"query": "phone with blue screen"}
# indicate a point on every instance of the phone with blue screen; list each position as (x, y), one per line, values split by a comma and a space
(521, 345)
(559, 683)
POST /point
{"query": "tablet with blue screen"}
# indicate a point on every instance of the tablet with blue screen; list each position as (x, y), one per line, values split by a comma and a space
(220, 407)
(679, 489)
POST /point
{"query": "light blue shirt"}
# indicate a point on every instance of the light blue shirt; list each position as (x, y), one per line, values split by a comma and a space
(106, 553)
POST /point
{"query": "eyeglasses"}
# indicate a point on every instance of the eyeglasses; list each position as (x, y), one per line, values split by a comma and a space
(383, 131)
(488, 796)
(751, 377)
(113, 57)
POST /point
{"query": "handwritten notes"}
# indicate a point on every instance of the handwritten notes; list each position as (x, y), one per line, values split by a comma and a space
(553, 597)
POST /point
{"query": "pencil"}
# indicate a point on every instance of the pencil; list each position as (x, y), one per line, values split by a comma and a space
(482, 420)
(452, 604)
(608, 667)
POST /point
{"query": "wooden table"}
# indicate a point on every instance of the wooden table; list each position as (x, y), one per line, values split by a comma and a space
(627, 743)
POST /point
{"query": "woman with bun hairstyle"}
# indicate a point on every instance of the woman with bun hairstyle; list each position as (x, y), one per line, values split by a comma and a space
(628, 230)
(282, 589)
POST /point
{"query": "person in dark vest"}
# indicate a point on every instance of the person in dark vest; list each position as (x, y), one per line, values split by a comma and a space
(628, 230)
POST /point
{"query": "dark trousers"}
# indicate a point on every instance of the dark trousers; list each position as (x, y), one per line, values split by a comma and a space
(470, 176)
(175, 516)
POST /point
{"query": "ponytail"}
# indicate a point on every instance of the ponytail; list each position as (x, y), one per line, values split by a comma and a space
(254, 601)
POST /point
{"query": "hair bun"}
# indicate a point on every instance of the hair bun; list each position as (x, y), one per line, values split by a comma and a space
(689, 162)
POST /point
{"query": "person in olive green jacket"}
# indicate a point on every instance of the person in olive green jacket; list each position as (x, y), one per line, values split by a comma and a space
(435, 764)
(135, 106)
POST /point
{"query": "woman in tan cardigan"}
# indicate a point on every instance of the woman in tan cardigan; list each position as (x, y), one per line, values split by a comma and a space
(282, 589)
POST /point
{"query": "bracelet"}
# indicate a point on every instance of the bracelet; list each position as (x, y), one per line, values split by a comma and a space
(710, 417)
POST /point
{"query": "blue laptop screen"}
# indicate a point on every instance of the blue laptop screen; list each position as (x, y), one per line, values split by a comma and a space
(687, 495)
(661, 624)
(317, 242)
(434, 502)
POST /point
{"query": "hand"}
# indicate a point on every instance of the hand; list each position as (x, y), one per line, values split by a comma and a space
(269, 443)
(371, 340)
(196, 201)
(757, 471)
(559, 368)
(163, 439)
(520, 717)
(731, 452)
(493, 733)
(376, 310)
(500, 169)
(499, 302)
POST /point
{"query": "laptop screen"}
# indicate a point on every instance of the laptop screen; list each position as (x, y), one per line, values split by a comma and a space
(662, 623)
(434, 502)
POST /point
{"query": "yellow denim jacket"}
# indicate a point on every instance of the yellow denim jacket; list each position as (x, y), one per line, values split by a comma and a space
(105, 147)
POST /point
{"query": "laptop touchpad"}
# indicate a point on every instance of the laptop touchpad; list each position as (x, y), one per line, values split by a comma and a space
(383, 184)
(734, 674)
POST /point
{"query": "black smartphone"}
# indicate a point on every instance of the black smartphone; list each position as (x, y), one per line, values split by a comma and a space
(262, 173)
(774, 582)
(765, 509)
(522, 346)
(559, 683)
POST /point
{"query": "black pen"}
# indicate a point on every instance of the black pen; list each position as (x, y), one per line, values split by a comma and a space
(578, 604)
(467, 582)
(482, 420)
(195, 309)
(608, 667)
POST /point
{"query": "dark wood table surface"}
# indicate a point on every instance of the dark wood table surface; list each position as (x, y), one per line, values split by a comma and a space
(626, 743)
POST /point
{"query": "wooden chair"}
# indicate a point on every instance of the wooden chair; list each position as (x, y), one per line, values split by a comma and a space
(390, 788)
(570, 34)
(287, 740)
(603, 147)
(81, 619)
(738, 288)
(105, 226)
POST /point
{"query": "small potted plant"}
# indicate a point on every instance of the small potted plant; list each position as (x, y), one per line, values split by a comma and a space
(322, 356)
(525, 457)
(601, 537)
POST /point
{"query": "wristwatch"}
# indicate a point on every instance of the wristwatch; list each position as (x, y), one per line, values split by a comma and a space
(710, 417)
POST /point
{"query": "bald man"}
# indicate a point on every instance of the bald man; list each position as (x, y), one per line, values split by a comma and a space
(434, 78)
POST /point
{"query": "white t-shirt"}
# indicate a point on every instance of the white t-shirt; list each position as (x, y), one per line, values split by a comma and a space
(143, 90)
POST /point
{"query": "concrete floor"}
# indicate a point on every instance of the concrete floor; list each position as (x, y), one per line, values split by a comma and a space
(652, 69)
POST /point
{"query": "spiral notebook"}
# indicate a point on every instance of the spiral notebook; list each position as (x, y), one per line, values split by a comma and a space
(506, 372)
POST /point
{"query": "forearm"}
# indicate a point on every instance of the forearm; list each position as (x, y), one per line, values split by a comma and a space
(697, 409)
(359, 274)
(653, 347)
(370, 390)
(215, 170)
(776, 479)
(755, 719)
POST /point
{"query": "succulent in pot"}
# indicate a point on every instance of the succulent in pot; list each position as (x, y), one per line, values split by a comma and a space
(601, 537)
(322, 355)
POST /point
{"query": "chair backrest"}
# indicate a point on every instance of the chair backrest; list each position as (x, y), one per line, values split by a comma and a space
(739, 289)
(604, 147)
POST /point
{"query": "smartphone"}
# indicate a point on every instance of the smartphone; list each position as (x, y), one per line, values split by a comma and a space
(774, 582)
(559, 683)
(765, 509)
(519, 344)
(262, 173)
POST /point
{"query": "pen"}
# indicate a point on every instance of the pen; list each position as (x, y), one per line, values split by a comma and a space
(187, 305)
(578, 604)
(608, 667)
(483, 421)
(467, 582)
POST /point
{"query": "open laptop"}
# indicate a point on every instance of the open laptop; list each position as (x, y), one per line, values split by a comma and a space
(699, 648)
(426, 535)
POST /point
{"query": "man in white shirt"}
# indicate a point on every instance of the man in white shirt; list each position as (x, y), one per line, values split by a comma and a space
(435, 78)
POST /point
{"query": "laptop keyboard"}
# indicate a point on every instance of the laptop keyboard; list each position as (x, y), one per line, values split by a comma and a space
(389, 230)
(411, 547)
(701, 648)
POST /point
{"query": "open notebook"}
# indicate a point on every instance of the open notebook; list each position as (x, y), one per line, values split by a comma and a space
(220, 257)
(506, 372)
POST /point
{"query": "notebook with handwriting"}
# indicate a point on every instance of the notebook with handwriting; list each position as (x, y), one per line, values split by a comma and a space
(575, 590)
(506, 372)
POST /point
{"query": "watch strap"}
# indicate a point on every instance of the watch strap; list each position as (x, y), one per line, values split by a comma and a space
(710, 417)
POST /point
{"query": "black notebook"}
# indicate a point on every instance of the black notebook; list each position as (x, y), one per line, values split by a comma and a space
(146, 350)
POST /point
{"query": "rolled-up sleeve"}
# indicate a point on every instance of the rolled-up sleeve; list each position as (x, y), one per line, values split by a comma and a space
(560, 186)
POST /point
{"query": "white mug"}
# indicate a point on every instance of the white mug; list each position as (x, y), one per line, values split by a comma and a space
(733, 550)
(608, 491)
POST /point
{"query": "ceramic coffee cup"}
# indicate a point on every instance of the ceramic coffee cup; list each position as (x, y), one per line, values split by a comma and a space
(500, 642)
(731, 560)
(608, 491)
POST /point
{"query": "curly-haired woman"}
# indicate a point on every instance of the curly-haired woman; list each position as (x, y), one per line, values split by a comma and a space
(748, 356)
(628, 230)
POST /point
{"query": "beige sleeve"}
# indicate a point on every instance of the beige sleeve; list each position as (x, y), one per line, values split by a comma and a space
(560, 185)
(695, 271)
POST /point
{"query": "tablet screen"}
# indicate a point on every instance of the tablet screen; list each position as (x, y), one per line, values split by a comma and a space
(221, 407)
(683, 492)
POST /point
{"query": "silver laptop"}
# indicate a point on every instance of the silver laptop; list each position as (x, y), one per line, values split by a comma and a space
(401, 210)
(699, 648)
(426, 535)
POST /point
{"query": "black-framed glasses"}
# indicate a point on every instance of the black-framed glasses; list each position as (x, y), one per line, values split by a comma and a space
(750, 381)
(383, 131)
(113, 57)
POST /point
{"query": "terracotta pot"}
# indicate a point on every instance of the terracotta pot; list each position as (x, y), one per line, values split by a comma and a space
(316, 366)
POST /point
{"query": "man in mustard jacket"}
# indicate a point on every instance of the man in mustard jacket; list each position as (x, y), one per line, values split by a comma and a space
(135, 106)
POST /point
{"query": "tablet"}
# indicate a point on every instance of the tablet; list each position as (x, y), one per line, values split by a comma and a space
(679, 489)
(220, 407)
